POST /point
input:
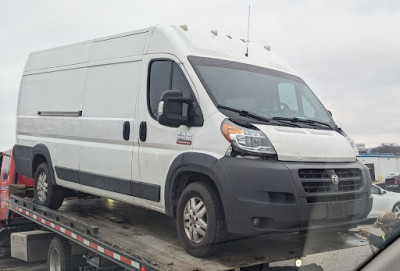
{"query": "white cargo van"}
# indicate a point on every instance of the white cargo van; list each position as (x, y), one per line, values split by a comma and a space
(183, 122)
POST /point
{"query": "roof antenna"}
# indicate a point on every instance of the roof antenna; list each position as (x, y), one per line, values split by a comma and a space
(248, 34)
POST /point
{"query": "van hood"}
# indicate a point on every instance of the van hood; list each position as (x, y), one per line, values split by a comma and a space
(308, 145)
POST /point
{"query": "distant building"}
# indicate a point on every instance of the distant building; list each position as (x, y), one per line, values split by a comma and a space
(380, 165)
(360, 147)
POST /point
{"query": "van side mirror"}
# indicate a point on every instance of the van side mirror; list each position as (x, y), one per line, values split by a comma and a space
(172, 111)
(382, 192)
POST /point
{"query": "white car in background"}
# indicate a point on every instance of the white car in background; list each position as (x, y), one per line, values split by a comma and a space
(384, 201)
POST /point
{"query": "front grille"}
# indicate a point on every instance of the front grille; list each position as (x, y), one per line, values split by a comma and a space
(333, 198)
(320, 180)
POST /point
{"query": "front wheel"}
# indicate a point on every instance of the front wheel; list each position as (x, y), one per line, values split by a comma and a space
(200, 220)
(46, 193)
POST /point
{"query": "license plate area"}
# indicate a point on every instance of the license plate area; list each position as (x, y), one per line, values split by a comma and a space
(337, 210)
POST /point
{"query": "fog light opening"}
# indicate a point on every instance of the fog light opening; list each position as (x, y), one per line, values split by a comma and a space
(256, 222)
(261, 222)
(299, 262)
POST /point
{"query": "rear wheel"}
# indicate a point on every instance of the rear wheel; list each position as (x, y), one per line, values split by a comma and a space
(59, 255)
(200, 220)
(46, 193)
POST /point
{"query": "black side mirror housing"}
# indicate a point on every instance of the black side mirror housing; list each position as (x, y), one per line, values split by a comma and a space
(171, 108)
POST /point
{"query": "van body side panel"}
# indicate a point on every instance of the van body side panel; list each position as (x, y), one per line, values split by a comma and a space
(44, 116)
(109, 101)
(59, 91)
(109, 105)
(119, 47)
(59, 57)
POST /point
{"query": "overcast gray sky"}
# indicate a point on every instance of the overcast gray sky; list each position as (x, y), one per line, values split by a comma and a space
(347, 51)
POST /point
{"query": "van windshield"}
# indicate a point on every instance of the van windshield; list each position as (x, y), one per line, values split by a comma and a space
(261, 91)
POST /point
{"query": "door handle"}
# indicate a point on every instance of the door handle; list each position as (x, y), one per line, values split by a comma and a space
(143, 131)
(126, 130)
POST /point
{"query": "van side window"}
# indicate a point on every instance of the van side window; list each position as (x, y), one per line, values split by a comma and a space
(160, 81)
(179, 81)
(165, 75)
(6, 167)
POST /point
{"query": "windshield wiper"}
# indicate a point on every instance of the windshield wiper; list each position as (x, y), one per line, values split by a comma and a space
(255, 116)
(311, 122)
(244, 113)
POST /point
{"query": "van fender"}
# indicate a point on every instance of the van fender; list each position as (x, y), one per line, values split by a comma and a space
(42, 150)
(204, 164)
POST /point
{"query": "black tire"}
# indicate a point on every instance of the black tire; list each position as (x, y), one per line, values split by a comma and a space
(214, 235)
(396, 209)
(54, 195)
(59, 255)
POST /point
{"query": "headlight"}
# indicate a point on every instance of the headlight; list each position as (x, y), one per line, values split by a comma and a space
(245, 140)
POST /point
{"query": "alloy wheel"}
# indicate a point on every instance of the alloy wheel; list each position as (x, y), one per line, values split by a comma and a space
(195, 219)
(42, 186)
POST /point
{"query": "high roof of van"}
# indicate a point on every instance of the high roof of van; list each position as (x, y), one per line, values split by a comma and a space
(180, 41)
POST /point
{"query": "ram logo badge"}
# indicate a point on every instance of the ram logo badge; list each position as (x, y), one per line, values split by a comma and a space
(335, 179)
(184, 138)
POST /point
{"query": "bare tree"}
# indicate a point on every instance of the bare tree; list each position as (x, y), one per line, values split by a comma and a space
(387, 148)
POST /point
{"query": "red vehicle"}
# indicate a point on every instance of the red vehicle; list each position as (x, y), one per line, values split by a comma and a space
(9, 176)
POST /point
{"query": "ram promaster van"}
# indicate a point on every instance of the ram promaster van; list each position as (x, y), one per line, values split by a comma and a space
(186, 123)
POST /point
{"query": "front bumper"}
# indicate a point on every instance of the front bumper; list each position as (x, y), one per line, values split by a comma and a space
(273, 192)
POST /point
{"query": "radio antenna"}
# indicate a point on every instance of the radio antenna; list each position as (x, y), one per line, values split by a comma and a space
(248, 34)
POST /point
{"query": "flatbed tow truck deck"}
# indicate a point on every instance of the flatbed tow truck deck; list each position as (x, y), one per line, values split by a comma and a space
(135, 238)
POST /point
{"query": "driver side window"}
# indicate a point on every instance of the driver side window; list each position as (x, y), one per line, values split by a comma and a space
(165, 75)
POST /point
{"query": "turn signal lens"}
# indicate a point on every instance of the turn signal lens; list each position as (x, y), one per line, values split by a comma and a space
(228, 130)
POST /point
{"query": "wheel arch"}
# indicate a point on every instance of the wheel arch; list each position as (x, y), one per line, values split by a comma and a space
(185, 169)
(40, 154)
(395, 204)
